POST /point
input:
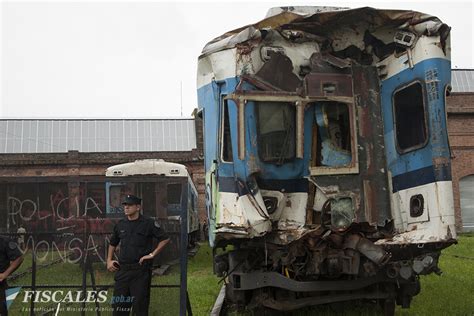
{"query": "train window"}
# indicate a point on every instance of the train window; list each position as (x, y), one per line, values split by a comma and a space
(174, 193)
(276, 131)
(117, 192)
(332, 135)
(227, 155)
(410, 123)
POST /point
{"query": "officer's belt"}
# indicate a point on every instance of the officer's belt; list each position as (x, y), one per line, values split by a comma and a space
(132, 266)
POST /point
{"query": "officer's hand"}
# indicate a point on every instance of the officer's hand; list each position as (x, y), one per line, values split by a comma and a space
(112, 265)
(2, 277)
(147, 257)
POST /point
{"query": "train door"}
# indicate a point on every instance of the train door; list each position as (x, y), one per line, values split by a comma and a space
(417, 150)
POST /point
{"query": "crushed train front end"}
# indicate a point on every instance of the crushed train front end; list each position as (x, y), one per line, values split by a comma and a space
(326, 155)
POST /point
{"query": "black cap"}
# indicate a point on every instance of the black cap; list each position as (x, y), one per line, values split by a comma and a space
(131, 200)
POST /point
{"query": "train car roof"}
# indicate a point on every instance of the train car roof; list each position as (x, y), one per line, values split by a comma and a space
(319, 20)
(147, 167)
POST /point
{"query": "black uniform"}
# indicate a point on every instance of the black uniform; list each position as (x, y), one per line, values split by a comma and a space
(8, 252)
(132, 281)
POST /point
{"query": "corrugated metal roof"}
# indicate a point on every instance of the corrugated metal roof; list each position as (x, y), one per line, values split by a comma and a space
(462, 80)
(52, 136)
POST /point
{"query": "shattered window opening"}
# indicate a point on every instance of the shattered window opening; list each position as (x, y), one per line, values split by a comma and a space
(226, 147)
(276, 129)
(333, 135)
(409, 112)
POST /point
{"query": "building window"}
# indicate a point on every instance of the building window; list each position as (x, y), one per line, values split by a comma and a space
(410, 122)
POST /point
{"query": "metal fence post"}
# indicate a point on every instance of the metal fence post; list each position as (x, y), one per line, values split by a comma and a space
(183, 256)
(33, 275)
(84, 272)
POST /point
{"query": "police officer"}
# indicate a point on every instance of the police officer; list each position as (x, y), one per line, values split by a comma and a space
(10, 259)
(135, 234)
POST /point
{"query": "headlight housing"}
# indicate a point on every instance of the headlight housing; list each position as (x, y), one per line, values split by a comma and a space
(342, 213)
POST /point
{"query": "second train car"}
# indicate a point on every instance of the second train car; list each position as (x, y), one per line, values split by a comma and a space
(163, 199)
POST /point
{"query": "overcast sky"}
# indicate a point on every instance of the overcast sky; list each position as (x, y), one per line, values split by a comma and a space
(109, 59)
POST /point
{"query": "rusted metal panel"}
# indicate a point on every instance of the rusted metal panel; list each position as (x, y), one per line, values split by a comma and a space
(278, 71)
(299, 129)
(369, 202)
(371, 142)
(370, 185)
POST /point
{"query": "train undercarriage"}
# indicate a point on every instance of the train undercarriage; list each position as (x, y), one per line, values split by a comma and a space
(325, 267)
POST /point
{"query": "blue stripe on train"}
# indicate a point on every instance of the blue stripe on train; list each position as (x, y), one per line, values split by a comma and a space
(421, 176)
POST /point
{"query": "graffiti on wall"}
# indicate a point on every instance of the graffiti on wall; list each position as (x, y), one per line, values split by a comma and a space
(63, 214)
(53, 206)
(71, 220)
(29, 210)
(67, 248)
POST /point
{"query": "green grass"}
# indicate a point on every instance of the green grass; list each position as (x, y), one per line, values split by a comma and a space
(452, 293)
(449, 294)
(203, 286)
(164, 301)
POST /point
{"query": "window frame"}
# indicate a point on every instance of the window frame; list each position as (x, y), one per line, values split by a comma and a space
(353, 167)
(241, 99)
(257, 121)
(447, 90)
(224, 106)
(425, 114)
(168, 193)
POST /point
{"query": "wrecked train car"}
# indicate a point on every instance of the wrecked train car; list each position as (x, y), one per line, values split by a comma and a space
(326, 155)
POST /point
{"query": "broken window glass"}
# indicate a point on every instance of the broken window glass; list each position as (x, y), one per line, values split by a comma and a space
(276, 131)
(226, 138)
(410, 117)
(333, 135)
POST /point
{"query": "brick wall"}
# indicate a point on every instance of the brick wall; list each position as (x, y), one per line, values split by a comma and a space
(74, 164)
(461, 137)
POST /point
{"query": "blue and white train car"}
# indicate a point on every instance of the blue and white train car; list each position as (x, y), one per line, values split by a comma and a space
(326, 155)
